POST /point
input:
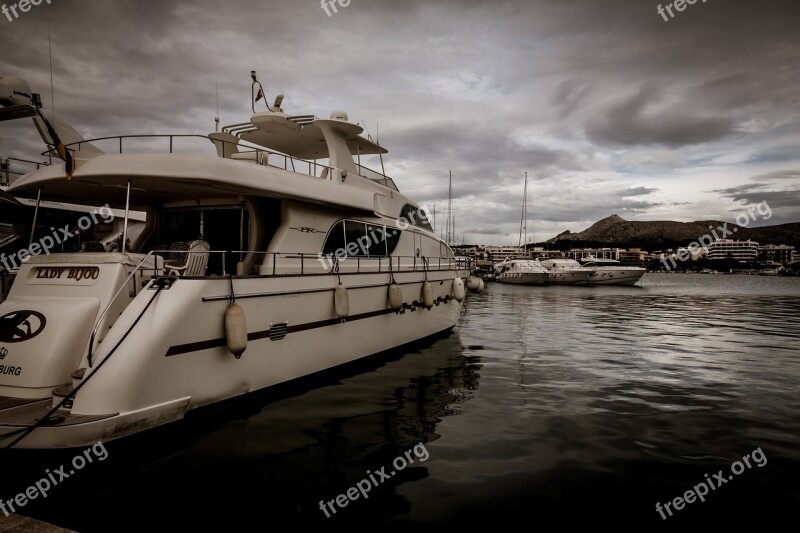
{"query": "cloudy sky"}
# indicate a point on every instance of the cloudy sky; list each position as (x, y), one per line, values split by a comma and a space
(607, 106)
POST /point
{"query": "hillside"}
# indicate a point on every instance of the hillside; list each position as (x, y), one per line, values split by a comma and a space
(615, 231)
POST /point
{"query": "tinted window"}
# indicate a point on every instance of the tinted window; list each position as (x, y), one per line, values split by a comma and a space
(335, 240)
(355, 235)
(392, 238)
(377, 240)
(415, 216)
(363, 239)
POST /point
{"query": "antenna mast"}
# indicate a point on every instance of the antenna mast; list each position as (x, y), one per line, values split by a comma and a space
(216, 118)
(52, 87)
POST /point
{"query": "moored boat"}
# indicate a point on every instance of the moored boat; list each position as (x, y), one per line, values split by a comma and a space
(566, 272)
(611, 272)
(521, 272)
(253, 268)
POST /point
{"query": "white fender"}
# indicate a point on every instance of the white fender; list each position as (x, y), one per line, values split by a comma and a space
(236, 330)
(458, 290)
(395, 297)
(475, 284)
(427, 295)
(342, 301)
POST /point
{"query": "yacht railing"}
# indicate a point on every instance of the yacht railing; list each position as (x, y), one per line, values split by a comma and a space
(6, 172)
(294, 264)
(376, 176)
(260, 156)
(309, 264)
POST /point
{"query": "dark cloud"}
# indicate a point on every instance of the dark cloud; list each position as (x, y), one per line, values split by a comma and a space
(785, 203)
(569, 95)
(563, 90)
(637, 121)
(793, 175)
(638, 191)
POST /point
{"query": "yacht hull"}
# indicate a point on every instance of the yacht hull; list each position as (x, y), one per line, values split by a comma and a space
(175, 358)
(523, 278)
(616, 276)
(569, 278)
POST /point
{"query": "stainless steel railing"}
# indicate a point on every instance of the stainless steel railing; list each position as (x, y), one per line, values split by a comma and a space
(308, 265)
(6, 168)
(294, 264)
(261, 156)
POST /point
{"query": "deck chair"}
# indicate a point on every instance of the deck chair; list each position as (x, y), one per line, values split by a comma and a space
(189, 263)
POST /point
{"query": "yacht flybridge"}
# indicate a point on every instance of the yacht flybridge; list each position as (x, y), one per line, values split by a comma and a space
(280, 257)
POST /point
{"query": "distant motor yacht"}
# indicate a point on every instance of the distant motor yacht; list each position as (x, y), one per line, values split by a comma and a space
(566, 272)
(611, 272)
(277, 258)
(521, 272)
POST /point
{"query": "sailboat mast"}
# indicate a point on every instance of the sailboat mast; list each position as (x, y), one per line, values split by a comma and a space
(533, 228)
(450, 209)
(523, 218)
(525, 203)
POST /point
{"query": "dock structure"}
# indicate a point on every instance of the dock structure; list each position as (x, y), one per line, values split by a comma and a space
(18, 524)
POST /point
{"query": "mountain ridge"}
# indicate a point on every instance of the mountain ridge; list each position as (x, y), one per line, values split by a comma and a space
(616, 231)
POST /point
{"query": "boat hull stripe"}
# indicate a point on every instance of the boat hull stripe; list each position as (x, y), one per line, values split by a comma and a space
(264, 334)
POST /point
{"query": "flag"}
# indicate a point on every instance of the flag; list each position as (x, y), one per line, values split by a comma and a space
(61, 150)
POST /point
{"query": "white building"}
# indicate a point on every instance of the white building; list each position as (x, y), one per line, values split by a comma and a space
(776, 253)
(498, 254)
(742, 251)
(597, 253)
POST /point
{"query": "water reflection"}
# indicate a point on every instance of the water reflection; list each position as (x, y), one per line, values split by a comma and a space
(593, 404)
(275, 462)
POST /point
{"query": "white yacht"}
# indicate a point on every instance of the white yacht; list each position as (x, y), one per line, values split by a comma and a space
(280, 257)
(521, 272)
(611, 272)
(566, 272)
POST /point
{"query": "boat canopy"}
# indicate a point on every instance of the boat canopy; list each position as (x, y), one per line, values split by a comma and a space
(302, 136)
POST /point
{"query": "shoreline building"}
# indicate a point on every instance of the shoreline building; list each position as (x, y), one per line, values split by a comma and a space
(776, 253)
(597, 253)
(498, 254)
(742, 251)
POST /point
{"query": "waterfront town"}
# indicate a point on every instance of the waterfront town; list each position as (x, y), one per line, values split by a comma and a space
(723, 255)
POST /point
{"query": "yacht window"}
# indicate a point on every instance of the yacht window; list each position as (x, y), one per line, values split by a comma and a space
(415, 216)
(355, 235)
(351, 238)
(392, 239)
(335, 240)
(377, 240)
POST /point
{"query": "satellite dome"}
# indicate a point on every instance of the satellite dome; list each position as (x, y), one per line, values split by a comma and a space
(339, 115)
(14, 91)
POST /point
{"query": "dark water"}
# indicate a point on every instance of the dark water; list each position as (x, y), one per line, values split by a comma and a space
(559, 407)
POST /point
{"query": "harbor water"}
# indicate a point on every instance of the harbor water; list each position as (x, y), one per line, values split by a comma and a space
(562, 407)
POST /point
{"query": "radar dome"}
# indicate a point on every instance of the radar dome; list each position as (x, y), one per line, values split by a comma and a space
(14, 91)
(339, 115)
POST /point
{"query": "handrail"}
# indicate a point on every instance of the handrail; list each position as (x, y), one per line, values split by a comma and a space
(5, 168)
(396, 263)
(111, 302)
(76, 146)
(395, 266)
(379, 177)
(364, 171)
